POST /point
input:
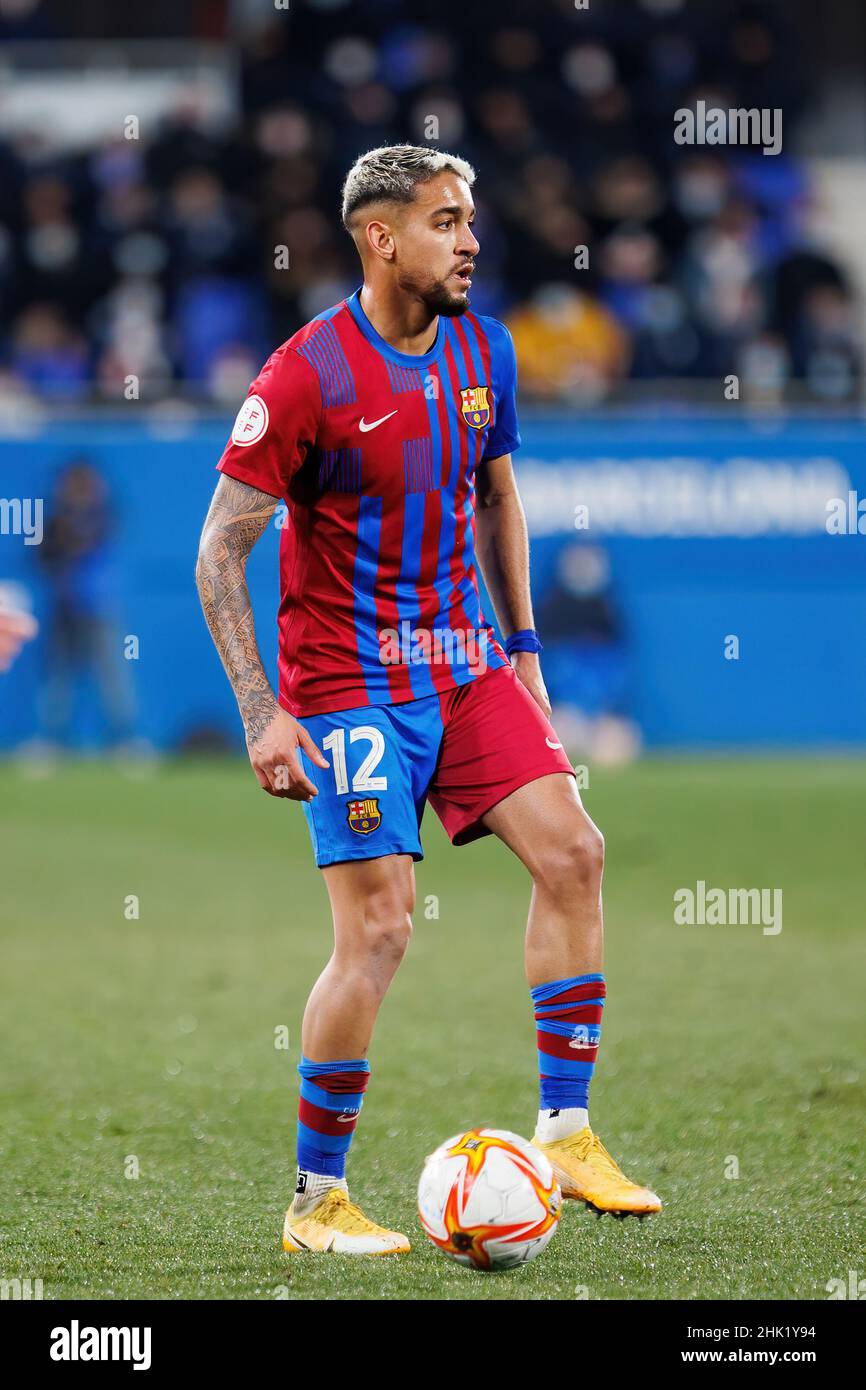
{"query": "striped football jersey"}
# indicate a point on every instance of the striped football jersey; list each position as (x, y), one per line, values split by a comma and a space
(374, 452)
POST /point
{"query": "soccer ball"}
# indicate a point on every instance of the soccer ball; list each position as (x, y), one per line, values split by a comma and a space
(488, 1198)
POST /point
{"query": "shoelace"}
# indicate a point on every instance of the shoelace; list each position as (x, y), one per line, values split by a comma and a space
(352, 1219)
(591, 1142)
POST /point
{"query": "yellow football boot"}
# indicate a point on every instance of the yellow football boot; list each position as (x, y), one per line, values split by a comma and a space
(586, 1171)
(337, 1226)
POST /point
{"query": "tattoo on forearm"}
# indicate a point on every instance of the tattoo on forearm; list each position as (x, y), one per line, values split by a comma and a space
(237, 518)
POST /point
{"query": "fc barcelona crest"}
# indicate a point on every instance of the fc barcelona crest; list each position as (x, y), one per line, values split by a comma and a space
(364, 816)
(474, 407)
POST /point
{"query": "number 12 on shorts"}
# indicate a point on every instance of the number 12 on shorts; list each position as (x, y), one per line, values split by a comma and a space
(363, 780)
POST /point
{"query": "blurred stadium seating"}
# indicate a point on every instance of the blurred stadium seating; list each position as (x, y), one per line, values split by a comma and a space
(154, 256)
(169, 184)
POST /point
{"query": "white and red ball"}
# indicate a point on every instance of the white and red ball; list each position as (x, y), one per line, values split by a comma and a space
(489, 1198)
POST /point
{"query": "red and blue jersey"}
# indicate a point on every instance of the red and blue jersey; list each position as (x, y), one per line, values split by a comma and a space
(374, 452)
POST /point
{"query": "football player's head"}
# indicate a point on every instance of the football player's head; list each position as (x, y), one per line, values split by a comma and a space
(410, 213)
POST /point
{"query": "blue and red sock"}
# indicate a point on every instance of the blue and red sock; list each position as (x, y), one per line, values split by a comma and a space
(568, 1029)
(332, 1094)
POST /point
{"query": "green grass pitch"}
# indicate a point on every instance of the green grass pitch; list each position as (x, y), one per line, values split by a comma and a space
(149, 1045)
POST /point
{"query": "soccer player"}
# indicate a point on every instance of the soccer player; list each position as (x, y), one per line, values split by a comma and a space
(387, 425)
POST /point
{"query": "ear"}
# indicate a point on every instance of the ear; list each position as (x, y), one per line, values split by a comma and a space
(380, 240)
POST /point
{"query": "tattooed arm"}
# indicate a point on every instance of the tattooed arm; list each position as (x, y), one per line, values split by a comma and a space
(237, 518)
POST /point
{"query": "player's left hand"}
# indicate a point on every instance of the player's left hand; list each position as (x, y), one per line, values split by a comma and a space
(528, 670)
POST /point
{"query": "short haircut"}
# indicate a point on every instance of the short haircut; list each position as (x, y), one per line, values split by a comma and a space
(393, 172)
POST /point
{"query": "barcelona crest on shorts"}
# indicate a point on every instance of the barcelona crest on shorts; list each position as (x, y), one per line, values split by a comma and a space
(474, 407)
(364, 816)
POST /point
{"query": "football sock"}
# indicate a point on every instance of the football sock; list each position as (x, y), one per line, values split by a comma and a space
(332, 1094)
(568, 1028)
(310, 1188)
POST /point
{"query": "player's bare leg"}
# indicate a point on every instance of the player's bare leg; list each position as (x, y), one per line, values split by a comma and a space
(546, 826)
(371, 905)
(372, 901)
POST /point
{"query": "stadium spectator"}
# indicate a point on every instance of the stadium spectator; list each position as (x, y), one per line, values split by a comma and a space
(569, 346)
(48, 354)
(586, 657)
(82, 637)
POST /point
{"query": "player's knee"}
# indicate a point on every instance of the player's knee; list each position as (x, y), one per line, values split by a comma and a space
(587, 856)
(385, 943)
(388, 925)
(574, 862)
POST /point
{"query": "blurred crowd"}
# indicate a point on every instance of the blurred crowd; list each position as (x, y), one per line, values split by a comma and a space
(180, 258)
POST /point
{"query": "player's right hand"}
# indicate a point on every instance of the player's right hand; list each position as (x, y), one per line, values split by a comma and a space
(276, 761)
(15, 629)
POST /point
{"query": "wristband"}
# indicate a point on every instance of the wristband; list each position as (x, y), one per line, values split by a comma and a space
(527, 640)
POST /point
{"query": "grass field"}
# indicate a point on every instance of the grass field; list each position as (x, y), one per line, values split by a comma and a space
(153, 1039)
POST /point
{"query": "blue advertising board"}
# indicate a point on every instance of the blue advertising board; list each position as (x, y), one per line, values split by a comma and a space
(698, 530)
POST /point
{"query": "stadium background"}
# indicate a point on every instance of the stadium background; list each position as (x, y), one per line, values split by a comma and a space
(139, 293)
(145, 267)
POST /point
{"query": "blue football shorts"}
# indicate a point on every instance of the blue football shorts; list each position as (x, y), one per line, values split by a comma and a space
(463, 750)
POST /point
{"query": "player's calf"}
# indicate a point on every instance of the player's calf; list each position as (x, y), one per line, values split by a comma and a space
(371, 903)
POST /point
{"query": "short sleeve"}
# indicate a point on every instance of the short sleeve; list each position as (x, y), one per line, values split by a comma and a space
(276, 425)
(504, 437)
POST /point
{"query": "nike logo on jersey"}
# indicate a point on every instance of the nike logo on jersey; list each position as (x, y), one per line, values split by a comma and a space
(550, 743)
(365, 428)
